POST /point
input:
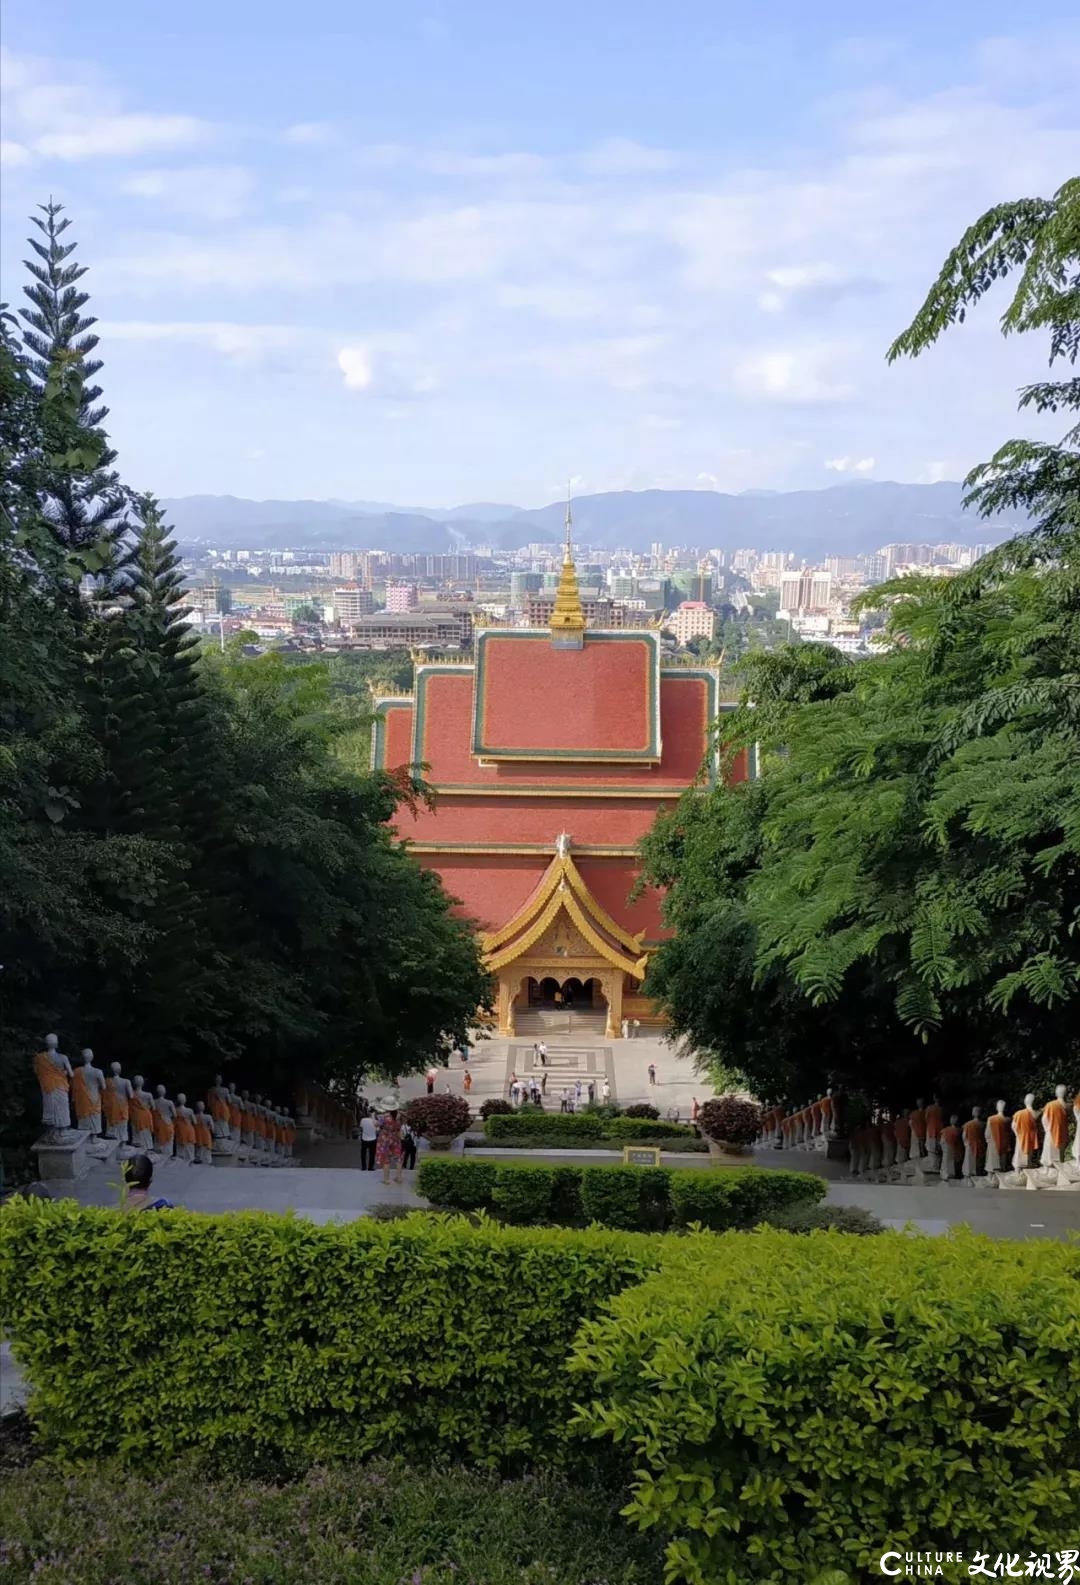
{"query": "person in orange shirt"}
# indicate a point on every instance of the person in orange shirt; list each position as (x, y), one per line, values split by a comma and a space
(949, 1142)
(1025, 1126)
(974, 1134)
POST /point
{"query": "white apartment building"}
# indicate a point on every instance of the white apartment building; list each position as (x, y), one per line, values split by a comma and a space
(693, 619)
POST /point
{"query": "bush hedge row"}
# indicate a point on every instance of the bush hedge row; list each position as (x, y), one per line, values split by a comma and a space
(641, 1198)
(791, 1403)
(583, 1125)
(797, 1403)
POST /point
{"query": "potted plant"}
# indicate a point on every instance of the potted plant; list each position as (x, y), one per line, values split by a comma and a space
(440, 1118)
(730, 1125)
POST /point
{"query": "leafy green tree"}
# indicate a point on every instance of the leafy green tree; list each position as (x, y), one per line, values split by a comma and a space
(897, 902)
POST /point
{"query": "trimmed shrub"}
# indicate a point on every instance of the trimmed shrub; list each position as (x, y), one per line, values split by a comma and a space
(259, 1333)
(812, 1395)
(495, 1106)
(459, 1185)
(580, 1125)
(739, 1196)
(565, 1206)
(630, 1128)
(641, 1109)
(522, 1194)
(612, 1196)
(438, 1115)
(730, 1120)
(808, 1218)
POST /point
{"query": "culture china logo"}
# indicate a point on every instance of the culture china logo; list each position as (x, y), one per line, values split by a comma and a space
(1061, 1566)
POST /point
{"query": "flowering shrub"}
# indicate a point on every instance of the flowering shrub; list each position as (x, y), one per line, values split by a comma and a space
(438, 1115)
(641, 1109)
(731, 1120)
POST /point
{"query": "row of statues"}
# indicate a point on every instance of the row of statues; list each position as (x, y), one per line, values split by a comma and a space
(123, 1110)
(1031, 1138)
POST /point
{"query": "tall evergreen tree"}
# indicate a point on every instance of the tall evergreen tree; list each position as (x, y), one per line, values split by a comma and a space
(85, 508)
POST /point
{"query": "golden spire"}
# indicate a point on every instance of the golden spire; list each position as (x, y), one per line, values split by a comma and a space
(567, 616)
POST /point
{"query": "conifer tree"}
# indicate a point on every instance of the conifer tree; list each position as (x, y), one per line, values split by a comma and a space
(85, 509)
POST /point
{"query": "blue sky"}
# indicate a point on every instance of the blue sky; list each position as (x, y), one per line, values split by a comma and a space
(434, 253)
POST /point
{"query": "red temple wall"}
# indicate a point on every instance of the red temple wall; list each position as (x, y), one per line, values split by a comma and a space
(622, 822)
(535, 698)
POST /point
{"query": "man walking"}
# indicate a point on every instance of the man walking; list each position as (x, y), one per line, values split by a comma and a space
(652, 1072)
(408, 1148)
(542, 1053)
(368, 1135)
(430, 1078)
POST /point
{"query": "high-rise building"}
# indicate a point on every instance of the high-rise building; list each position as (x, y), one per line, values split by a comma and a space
(401, 597)
(343, 564)
(522, 584)
(350, 604)
(693, 619)
(808, 590)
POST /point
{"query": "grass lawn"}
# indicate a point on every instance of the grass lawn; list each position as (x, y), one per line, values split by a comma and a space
(382, 1523)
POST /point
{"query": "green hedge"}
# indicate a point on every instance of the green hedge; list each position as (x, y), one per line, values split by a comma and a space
(145, 1334)
(583, 1125)
(644, 1198)
(796, 1403)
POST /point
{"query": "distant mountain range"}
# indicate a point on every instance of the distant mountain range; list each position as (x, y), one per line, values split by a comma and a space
(847, 520)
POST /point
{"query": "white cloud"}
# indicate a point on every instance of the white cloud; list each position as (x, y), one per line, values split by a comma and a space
(12, 154)
(355, 365)
(851, 464)
(206, 192)
(624, 157)
(804, 375)
(242, 342)
(62, 117)
(659, 421)
(308, 133)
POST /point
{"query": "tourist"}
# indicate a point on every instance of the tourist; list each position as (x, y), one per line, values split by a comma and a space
(368, 1134)
(513, 1089)
(564, 1099)
(466, 1082)
(542, 1051)
(605, 1091)
(536, 1051)
(652, 1072)
(577, 1090)
(138, 1174)
(388, 1147)
(543, 1082)
(637, 1027)
(431, 1076)
(448, 1088)
(592, 1091)
(673, 1114)
(408, 1147)
(694, 1110)
(626, 1029)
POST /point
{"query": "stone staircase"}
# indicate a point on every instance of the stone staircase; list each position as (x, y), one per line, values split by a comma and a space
(548, 1023)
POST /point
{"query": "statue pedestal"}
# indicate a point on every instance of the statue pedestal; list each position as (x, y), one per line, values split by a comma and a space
(222, 1154)
(102, 1149)
(63, 1155)
(836, 1149)
(1014, 1180)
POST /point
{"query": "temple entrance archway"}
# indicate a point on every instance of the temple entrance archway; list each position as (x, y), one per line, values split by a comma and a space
(585, 994)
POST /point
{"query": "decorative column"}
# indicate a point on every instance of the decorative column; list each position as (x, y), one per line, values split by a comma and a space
(505, 1006)
(612, 987)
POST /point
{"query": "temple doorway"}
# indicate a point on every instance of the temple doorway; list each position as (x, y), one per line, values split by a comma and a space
(584, 995)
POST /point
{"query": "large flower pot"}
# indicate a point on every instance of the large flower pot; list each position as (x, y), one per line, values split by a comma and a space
(441, 1141)
(724, 1150)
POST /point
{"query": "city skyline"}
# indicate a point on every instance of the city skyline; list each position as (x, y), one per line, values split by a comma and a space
(454, 248)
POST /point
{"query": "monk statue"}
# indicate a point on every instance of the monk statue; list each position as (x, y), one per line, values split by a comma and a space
(1055, 1121)
(116, 1104)
(829, 1118)
(902, 1134)
(999, 1140)
(949, 1140)
(1025, 1126)
(204, 1135)
(974, 1134)
(87, 1090)
(164, 1121)
(917, 1120)
(236, 1114)
(184, 1129)
(290, 1132)
(141, 1109)
(935, 1121)
(1076, 1135)
(53, 1073)
(888, 1140)
(247, 1119)
(217, 1097)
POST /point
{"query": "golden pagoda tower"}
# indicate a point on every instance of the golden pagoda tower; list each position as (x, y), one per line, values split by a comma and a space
(568, 618)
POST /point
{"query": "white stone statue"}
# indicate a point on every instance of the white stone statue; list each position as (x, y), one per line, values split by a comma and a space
(184, 1120)
(234, 1101)
(204, 1135)
(1026, 1131)
(947, 1149)
(1076, 1135)
(247, 1117)
(53, 1073)
(998, 1134)
(142, 1115)
(218, 1097)
(165, 1121)
(87, 1088)
(1055, 1121)
(117, 1104)
(973, 1133)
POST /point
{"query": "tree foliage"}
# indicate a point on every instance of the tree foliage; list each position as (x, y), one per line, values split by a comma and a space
(896, 903)
(192, 876)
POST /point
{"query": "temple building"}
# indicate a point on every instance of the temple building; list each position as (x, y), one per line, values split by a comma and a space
(550, 753)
